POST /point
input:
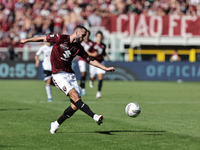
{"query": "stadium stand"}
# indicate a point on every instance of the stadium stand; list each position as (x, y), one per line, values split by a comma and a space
(27, 18)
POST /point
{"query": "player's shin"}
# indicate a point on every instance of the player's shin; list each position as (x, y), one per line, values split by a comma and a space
(48, 91)
(84, 107)
(67, 114)
(100, 85)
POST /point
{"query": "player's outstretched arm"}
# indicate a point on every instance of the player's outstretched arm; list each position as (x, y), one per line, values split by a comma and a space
(99, 65)
(34, 39)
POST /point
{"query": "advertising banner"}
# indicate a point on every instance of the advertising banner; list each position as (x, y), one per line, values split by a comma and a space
(154, 71)
(18, 70)
(150, 71)
(125, 71)
(153, 26)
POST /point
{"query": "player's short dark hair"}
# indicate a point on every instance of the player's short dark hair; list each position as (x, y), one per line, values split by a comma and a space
(99, 32)
(80, 27)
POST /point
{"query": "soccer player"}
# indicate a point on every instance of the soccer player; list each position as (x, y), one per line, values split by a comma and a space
(66, 47)
(86, 43)
(175, 57)
(46, 50)
(99, 48)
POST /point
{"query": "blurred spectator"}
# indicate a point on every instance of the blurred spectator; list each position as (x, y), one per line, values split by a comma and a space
(45, 10)
(94, 18)
(3, 56)
(194, 2)
(11, 53)
(38, 22)
(58, 23)
(191, 10)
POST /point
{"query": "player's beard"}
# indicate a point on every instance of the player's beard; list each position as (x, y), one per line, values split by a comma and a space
(78, 40)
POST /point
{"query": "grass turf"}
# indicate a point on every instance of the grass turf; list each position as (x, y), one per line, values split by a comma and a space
(169, 118)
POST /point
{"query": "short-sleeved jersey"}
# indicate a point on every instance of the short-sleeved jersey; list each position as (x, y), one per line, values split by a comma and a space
(86, 46)
(46, 50)
(100, 49)
(63, 52)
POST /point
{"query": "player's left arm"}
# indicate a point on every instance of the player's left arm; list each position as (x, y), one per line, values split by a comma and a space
(95, 63)
(34, 39)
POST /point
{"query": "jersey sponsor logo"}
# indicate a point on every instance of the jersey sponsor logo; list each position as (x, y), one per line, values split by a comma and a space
(99, 49)
(96, 46)
(66, 55)
(90, 43)
(85, 46)
(52, 35)
(63, 46)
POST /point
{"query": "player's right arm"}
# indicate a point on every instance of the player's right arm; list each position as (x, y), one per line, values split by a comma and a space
(90, 53)
(95, 63)
(94, 54)
(34, 39)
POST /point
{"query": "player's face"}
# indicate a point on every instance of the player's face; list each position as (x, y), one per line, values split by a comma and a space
(80, 35)
(87, 36)
(99, 37)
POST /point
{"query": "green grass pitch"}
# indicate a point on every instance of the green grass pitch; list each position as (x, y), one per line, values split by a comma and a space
(169, 119)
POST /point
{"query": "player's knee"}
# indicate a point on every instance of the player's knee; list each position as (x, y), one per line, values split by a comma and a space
(100, 77)
(74, 95)
(73, 106)
(83, 74)
(48, 80)
(47, 84)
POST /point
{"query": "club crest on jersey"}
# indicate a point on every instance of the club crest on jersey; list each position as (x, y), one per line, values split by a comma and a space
(74, 49)
(96, 46)
(64, 88)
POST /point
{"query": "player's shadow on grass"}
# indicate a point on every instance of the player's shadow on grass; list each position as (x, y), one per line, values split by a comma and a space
(111, 132)
(116, 131)
(14, 109)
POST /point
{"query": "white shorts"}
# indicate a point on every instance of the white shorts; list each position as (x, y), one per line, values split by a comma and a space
(82, 65)
(66, 81)
(94, 70)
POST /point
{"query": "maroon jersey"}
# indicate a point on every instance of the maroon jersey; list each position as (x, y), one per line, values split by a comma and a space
(86, 46)
(100, 49)
(63, 52)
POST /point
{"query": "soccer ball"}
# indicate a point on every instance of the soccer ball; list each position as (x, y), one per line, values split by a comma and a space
(133, 109)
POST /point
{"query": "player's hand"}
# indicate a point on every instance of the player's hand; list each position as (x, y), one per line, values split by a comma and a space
(22, 41)
(95, 54)
(110, 69)
(37, 64)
